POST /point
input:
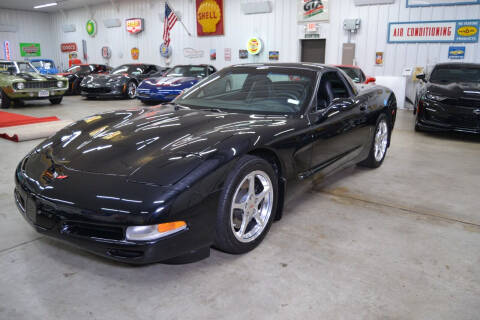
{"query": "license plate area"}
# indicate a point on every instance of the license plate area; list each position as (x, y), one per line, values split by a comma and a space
(31, 209)
(43, 93)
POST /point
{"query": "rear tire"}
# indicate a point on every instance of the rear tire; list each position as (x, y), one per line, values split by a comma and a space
(379, 144)
(5, 101)
(56, 100)
(247, 206)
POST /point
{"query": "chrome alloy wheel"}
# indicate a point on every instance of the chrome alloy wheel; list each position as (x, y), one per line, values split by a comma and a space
(132, 90)
(252, 206)
(381, 140)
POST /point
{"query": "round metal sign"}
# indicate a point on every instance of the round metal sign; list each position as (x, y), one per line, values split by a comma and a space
(91, 27)
(254, 45)
(165, 51)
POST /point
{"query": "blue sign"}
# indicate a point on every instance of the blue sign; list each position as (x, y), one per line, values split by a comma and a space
(435, 3)
(453, 31)
(165, 51)
(456, 53)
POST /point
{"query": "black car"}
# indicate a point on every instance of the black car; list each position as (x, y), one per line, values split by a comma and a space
(448, 98)
(165, 183)
(122, 82)
(75, 75)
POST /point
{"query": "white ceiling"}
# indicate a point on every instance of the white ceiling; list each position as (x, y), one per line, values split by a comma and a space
(62, 4)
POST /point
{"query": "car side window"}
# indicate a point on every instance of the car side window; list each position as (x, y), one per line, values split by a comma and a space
(332, 86)
(364, 78)
(338, 87)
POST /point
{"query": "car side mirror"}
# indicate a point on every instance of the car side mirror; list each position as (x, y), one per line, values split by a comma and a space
(421, 76)
(370, 80)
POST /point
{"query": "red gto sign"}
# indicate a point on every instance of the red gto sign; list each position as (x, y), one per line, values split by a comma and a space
(209, 17)
(68, 47)
(134, 25)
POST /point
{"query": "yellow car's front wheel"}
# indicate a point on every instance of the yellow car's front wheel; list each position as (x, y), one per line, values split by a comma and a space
(5, 101)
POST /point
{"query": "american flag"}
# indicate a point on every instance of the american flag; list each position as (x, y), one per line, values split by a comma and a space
(170, 19)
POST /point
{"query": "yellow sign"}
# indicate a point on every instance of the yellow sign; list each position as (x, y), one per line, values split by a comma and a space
(467, 31)
(135, 53)
(209, 15)
(254, 45)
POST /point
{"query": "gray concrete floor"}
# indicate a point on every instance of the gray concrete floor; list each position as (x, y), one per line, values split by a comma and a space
(399, 242)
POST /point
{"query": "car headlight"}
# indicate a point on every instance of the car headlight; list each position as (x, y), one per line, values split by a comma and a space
(153, 232)
(20, 85)
(435, 97)
(60, 84)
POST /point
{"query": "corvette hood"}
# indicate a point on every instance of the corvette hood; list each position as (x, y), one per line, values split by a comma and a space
(104, 78)
(170, 82)
(159, 141)
(466, 90)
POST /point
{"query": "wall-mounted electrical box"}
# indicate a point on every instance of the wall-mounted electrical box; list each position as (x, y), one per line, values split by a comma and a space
(351, 25)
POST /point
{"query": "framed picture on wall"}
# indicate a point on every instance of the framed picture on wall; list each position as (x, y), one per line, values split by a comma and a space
(379, 56)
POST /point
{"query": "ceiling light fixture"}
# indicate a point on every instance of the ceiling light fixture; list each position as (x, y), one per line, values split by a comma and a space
(45, 5)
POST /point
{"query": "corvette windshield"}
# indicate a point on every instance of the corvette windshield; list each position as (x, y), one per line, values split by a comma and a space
(253, 89)
(188, 71)
(82, 68)
(354, 74)
(448, 74)
(129, 69)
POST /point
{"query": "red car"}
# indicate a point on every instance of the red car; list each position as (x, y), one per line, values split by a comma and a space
(356, 74)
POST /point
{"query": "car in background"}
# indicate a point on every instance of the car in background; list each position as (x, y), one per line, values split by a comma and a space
(122, 82)
(19, 81)
(165, 183)
(172, 83)
(448, 98)
(76, 74)
(44, 66)
(356, 74)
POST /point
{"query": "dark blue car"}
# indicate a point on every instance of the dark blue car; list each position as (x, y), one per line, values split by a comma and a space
(172, 83)
(44, 66)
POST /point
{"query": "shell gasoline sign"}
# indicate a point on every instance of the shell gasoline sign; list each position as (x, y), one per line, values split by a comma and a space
(209, 17)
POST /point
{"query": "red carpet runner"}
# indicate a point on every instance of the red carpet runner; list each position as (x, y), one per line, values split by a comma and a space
(8, 119)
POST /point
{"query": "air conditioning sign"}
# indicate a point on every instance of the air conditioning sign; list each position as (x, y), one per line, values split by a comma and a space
(459, 31)
(135, 25)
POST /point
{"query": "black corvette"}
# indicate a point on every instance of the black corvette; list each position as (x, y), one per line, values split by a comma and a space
(448, 99)
(77, 73)
(122, 82)
(166, 183)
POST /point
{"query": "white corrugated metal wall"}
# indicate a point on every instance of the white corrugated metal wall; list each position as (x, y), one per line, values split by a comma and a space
(279, 30)
(31, 27)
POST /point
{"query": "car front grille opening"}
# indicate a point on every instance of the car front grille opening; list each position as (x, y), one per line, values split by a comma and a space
(40, 84)
(124, 254)
(93, 231)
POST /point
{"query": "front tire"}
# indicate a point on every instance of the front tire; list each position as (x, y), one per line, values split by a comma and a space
(131, 90)
(5, 101)
(247, 206)
(379, 145)
(56, 100)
